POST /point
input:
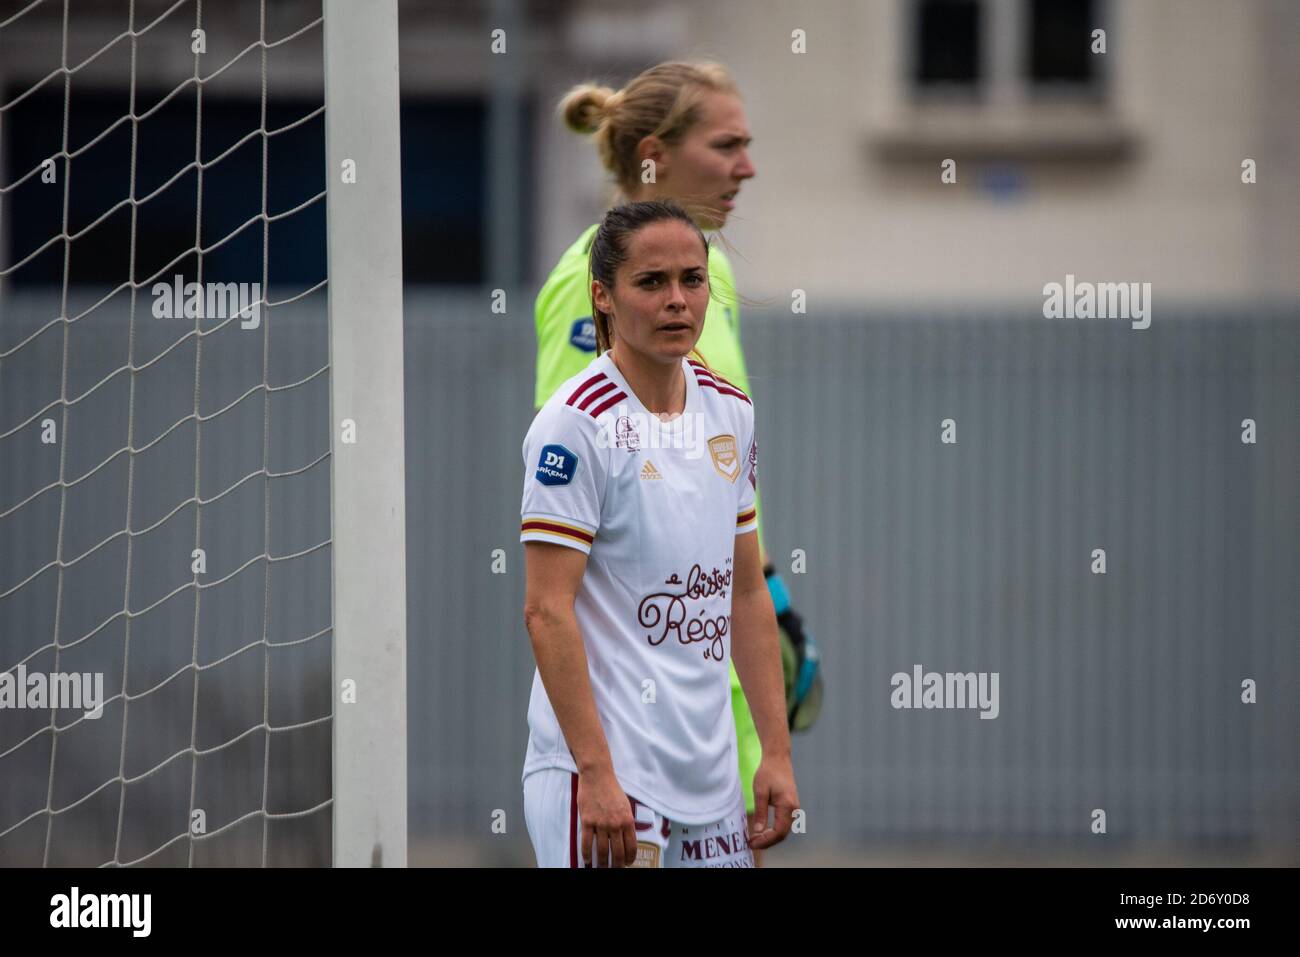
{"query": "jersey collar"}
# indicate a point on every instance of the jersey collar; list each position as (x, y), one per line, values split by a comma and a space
(673, 426)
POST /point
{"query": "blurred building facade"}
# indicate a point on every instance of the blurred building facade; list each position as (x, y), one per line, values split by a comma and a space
(1125, 164)
(1114, 166)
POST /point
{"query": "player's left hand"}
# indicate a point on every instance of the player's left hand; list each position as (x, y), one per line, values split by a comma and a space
(774, 794)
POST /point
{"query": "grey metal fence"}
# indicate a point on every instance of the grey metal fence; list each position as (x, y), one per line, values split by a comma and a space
(1119, 692)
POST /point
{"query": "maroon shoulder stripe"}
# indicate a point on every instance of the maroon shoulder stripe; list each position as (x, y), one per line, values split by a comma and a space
(584, 387)
(707, 377)
(616, 397)
(701, 367)
(712, 373)
(710, 384)
(595, 394)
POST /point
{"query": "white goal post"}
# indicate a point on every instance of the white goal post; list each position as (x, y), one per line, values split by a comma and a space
(366, 392)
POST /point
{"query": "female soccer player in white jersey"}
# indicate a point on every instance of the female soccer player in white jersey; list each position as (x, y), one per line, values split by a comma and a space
(644, 580)
(687, 121)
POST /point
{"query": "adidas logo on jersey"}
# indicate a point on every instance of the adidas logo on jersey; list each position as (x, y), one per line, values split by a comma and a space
(648, 471)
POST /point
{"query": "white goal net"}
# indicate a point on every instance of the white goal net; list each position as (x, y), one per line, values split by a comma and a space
(167, 625)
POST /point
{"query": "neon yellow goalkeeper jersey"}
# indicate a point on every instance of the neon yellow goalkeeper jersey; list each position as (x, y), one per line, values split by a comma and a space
(566, 335)
(566, 343)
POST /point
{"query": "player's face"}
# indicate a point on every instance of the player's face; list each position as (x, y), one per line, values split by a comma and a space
(661, 292)
(707, 167)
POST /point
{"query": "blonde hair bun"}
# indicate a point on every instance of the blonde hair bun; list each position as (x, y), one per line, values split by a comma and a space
(583, 108)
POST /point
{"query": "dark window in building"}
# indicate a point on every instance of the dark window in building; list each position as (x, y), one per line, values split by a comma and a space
(168, 215)
(1060, 41)
(445, 173)
(948, 42)
(443, 188)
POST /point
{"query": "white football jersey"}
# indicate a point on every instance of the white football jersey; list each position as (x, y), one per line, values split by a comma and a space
(656, 506)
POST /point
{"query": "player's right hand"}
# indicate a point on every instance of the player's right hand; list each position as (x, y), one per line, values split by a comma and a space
(607, 821)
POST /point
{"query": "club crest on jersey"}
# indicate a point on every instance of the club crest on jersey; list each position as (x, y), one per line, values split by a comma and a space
(556, 466)
(583, 334)
(625, 434)
(722, 448)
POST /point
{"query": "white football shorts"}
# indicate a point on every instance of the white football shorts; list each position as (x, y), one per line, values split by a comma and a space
(551, 813)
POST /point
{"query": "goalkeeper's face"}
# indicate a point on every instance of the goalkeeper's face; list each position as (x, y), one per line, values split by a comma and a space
(661, 292)
(706, 169)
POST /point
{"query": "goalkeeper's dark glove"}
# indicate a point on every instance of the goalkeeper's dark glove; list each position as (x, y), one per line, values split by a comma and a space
(800, 659)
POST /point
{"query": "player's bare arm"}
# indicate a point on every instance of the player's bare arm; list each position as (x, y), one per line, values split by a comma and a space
(757, 658)
(554, 574)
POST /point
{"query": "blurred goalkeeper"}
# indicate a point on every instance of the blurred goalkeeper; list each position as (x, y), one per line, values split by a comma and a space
(685, 123)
